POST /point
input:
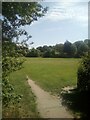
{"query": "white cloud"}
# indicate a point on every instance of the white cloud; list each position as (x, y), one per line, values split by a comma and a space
(76, 11)
(65, 1)
(53, 29)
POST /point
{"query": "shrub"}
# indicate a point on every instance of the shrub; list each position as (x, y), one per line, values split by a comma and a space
(83, 75)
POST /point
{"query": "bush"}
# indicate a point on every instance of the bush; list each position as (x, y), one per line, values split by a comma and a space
(83, 76)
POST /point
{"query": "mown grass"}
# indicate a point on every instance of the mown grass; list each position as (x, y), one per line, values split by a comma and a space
(50, 73)
(27, 106)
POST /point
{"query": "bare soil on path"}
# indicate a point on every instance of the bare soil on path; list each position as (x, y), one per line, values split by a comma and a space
(48, 106)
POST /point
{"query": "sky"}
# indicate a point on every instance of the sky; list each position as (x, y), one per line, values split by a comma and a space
(65, 20)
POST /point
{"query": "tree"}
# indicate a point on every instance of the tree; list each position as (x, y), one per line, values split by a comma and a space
(87, 42)
(40, 50)
(33, 53)
(46, 54)
(69, 49)
(14, 16)
(58, 50)
(82, 48)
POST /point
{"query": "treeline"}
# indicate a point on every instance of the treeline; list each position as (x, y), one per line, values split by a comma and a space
(66, 50)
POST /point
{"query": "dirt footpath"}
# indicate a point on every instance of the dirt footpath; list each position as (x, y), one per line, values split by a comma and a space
(48, 106)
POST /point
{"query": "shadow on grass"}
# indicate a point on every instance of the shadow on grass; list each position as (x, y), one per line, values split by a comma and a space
(77, 102)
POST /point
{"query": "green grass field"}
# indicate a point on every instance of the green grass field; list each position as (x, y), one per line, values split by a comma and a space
(50, 73)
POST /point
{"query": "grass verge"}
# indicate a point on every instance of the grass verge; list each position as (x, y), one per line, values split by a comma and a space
(27, 106)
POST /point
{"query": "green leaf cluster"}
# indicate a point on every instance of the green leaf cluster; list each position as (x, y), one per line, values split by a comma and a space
(14, 16)
(83, 75)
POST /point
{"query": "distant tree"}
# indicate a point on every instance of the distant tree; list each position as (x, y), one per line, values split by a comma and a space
(45, 48)
(87, 41)
(40, 50)
(33, 53)
(58, 50)
(52, 53)
(74, 50)
(82, 48)
(68, 49)
(46, 54)
(77, 49)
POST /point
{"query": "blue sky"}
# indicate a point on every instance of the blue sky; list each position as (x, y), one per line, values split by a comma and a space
(65, 20)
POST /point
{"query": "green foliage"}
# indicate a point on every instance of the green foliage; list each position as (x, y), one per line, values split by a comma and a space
(33, 53)
(87, 42)
(68, 49)
(26, 108)
(49, 53)
(77, 102)
(8, 94)
(82, 48)
(14, 16)
(17, 14)
(83, 78)
(11, 62)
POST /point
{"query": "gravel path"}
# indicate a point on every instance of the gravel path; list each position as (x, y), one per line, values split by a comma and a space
(48, 106)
